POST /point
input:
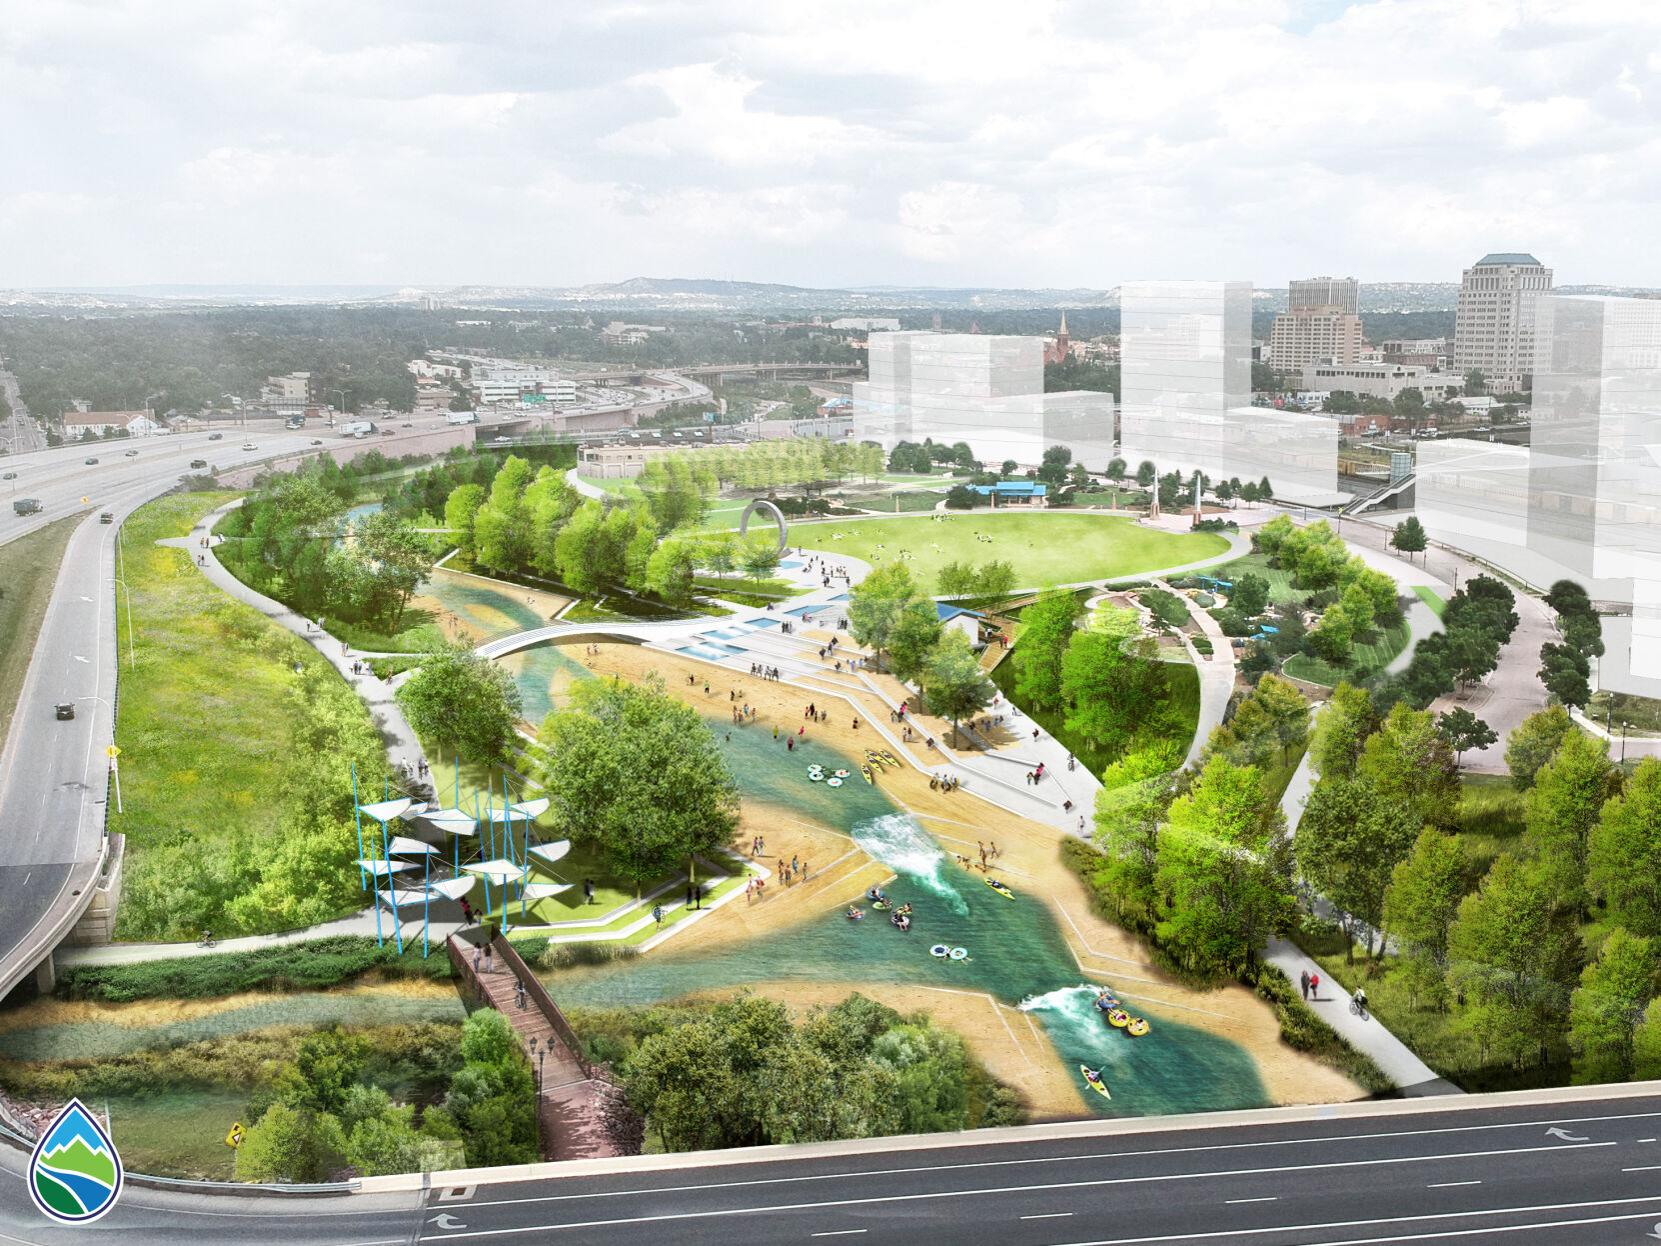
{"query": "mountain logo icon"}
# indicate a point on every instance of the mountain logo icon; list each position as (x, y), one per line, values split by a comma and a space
(75, 1173)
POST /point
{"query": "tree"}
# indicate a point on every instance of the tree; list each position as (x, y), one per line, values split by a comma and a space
(953, 682)
(1341, 728)
(1646, 1044)
(1408, 762)
(1563, 807)
(462, 703)
(636, 774)
(1047, 625)
(1287, 711)
(1409, 536)
(1566, 674)
(1116, 470)
(1515, 956)
(956, 579)
(994, 580)
(1250, 594)
(289, 1144)
(1111, 683)
(761, 557)
(1146, 472)
(914, 638)
(1225, 869)
(1623, 853)
(1420, 905)
(721, 553)
(1130, 807)
(1464, 730)
(875, 603)
(1534, 741)
(460, 510)
(671, 569)
(1349, 840)
(1333, 638)
(1608, 1007)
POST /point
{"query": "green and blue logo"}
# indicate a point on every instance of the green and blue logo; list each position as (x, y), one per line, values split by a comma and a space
(75, 1172)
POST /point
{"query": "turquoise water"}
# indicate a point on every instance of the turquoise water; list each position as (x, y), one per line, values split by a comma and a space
(1016, 951)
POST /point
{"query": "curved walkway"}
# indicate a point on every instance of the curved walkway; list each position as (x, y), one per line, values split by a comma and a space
(403, 749)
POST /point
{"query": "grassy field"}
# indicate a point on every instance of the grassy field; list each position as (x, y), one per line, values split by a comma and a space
(1046, 549)
(1431, 599)
(28, 569)
(207, 725)
(1281, 590)
(1368, 659)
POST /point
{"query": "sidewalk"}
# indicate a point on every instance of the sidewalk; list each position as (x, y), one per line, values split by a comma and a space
(1365, 1034)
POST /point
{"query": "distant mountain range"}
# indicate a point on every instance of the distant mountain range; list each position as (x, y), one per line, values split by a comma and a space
(691, 294)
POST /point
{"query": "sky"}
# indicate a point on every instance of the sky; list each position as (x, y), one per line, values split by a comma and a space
(915, 142)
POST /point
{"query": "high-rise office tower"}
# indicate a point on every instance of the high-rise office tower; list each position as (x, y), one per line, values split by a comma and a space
(1314, 335)
(1342, 293)
(1493, 330)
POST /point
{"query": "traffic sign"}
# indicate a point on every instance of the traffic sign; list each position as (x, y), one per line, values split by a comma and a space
(234, 1138)
(112, 752)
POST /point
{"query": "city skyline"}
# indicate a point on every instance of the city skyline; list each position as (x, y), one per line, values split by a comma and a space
(942, 145)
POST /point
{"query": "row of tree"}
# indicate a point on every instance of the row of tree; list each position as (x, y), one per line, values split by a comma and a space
(1566, 666)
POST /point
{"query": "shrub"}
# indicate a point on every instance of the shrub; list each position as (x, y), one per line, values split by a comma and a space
(286, 967)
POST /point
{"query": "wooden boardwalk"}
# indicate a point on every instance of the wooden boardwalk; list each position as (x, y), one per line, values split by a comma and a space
(574, 1104)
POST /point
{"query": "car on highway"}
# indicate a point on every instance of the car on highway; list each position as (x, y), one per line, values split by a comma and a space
(107, 517)
(9, 476)
(248, 445)
(316, 441)
(89, 462)
(26, 506)
(132, 454)
(501, 441)
(406, 424)
(198, 463)
(65, 710)
(216, 436)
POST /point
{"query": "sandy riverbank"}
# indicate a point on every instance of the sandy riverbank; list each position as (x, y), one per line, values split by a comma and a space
(1030, 858)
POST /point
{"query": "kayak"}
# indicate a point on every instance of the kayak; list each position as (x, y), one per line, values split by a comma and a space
(940, 950)
(1095, 1083)
(875, 758)
(1137, 1027)
(1001, 888)
(1118, 1018)
(869, 777)
(889, 758)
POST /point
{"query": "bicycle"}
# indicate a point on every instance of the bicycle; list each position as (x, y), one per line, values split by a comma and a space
(207, 939)
(1358, 1007)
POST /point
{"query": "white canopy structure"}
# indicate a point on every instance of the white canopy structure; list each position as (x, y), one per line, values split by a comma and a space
(404, 846)
(453, 821)
(532, 808)
(380, 869)
(541, 891)
(549, 853)
(386, 810)
(497, 871)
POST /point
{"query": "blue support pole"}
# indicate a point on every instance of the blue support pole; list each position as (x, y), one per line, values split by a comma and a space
(357, 818)
(426, 899)
(397, 918)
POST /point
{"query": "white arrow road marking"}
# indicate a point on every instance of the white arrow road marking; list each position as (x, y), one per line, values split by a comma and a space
(79, 658)
(1564, 1134)
(445, 1220)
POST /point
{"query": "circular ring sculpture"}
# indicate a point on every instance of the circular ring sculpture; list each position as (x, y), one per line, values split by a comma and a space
(777, 514)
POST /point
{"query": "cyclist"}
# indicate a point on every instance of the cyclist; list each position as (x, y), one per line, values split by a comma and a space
(1360, 1000)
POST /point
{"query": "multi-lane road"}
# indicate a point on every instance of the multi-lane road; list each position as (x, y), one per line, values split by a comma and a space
(52, 772)
(1542, 1167)
(18, 431)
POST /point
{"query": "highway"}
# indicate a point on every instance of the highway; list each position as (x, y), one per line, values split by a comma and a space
(52, 773)
(19, 432)
(1573, 1166)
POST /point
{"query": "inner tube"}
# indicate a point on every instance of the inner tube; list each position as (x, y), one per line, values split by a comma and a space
(839, 774)
(939, 949)
(879, 904)
(1118, 1018)
(833, 782)
(1137, 1027)
(1107, 1002)
(960, 953)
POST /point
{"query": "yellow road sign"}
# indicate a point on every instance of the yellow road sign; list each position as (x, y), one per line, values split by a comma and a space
(234, 1138)
(113, 751)
(85, 500)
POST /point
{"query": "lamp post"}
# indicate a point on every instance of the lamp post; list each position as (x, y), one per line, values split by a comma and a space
(115, 764)
(121, 562)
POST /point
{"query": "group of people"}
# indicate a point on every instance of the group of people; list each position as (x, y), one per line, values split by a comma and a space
(988, 854)
(1035, 776)
(743, 713)
(944, 782)
(763, 672)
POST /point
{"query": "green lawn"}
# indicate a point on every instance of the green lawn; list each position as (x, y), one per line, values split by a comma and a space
(210, 725)
(1046, 549)
(1281, 590)
(1369, 657)
(1433, 600)
(28, 569)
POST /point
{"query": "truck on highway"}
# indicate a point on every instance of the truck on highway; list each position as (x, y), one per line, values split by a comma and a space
(26, 506)
(464, 417)
(359, 428)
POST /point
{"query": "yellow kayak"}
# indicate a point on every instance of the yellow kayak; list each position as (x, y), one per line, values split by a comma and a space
(1094, 1080)
(1001, 888)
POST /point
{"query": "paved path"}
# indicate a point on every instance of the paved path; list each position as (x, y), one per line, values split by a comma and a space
(404, 751)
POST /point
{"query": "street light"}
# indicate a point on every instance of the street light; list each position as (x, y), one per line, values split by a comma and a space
(121, 562)
(115, 764)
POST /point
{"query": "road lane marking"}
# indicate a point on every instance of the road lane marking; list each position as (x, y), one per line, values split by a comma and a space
(1048, 1215)
(1448, 1185)
(1267, 1198)
(1086, 1157)
(838, 1233)
(1645, 1168)
(1646, 1139)
(1015, 1189)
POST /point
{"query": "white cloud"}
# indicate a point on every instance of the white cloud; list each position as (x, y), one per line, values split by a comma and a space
(1052, 142)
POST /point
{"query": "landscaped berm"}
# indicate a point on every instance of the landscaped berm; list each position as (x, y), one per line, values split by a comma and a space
(1045, 548)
